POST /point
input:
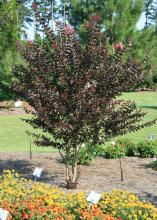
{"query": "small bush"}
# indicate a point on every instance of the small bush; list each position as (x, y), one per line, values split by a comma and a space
(147, 149)
(154, 78)
(130, 147)
(88, 152)
(6, 93)
(113, 152)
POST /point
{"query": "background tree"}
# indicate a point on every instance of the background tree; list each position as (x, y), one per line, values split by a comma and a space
(14, 14)
(119, 17)
(73, 90)
(150, 12)
(48, 10)
(8, 36)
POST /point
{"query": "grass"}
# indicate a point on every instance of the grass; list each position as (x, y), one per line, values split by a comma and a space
(148, 102)
(13, 135)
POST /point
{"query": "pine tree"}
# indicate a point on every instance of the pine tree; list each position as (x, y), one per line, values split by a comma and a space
(119, 17)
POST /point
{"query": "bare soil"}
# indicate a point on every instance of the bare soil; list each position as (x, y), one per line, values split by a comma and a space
(8, 108)
(102, 175)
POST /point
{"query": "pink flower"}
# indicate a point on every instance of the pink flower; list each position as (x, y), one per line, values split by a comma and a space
(54, 45)
(119, 46)
(17, 43)
(34, 6)
(69, 30)
(30, 42)
(96, 18)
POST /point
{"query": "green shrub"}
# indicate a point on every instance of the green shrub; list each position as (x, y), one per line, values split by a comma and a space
(88, 152)
(147, 83)
(6, 93)
(130, 147)
(154, 78)
(147, 149)
(114, 151)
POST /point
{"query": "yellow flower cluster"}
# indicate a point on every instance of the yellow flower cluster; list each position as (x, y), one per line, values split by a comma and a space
(127, 205)
(25, 199)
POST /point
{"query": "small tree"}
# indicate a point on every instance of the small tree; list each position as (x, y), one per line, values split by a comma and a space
(73, 91)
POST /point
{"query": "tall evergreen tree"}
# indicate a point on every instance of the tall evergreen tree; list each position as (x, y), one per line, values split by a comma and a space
(119, 17)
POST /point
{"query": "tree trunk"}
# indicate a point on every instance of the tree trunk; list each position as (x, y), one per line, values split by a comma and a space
(73, 176)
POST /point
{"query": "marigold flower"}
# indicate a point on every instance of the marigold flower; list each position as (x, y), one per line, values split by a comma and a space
(24, 215)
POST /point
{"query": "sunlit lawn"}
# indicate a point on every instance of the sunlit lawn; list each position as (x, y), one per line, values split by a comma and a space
(13, 135)
(148, 102)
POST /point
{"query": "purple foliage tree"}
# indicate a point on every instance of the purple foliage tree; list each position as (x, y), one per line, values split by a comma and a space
(73, 91)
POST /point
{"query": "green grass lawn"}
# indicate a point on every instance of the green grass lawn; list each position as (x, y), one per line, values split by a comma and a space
(148, 102)
(13, 135)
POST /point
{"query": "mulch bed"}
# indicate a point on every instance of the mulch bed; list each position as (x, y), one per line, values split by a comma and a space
(102, 175)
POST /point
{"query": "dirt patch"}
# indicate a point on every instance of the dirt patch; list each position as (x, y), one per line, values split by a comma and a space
(102, 175)
(8, 108)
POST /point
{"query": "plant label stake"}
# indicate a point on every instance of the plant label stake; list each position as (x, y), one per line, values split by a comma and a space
(93, 198)
(121, 170)
(18, 104)
(37, 173)
(150, 137)
(30, 150)
(3, 214)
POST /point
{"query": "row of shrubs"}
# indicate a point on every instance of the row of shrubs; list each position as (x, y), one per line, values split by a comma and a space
(122, 148)
(25, 199)
(142, 149)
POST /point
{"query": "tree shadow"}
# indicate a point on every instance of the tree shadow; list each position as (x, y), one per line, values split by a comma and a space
(149, 197)
(147, 106)
(26, 169)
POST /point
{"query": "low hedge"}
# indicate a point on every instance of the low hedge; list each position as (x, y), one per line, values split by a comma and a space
(125, 147)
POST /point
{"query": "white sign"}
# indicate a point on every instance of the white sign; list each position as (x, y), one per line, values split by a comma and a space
(3, 214)
(37, 172)
(18, 104)
(150, 137)
(94, 197)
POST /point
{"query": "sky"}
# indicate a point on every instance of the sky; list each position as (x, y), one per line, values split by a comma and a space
(140, 25)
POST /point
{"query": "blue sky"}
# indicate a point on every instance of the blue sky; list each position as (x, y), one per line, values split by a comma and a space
(140, 25)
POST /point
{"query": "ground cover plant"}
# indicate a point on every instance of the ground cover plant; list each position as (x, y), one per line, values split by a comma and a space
(25, 199)
(73, 91)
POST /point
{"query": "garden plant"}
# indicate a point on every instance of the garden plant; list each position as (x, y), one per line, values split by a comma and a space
(73, 90)
(25, 199)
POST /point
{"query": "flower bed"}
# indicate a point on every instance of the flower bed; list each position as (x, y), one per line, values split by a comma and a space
(25, 199)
